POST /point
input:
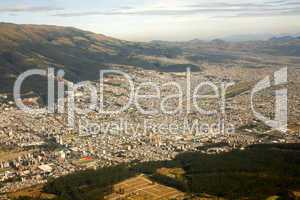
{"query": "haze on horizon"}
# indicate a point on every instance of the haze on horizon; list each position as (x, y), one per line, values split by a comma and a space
(145, 20)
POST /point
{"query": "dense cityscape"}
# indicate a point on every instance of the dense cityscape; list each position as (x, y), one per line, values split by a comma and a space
(43, 146)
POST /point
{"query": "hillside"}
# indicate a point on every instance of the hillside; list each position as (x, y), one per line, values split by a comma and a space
(80, 53)
(276, 51)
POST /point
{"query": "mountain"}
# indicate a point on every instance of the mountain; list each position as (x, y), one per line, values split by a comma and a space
(221, 51)
(286, 38)
(80, 53)
(248, 37)
(256, 37)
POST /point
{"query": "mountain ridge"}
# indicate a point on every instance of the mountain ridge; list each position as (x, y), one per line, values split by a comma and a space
(82, 53)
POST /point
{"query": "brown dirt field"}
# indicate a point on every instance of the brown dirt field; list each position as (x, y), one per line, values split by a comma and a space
(34, 192)
(141, 187)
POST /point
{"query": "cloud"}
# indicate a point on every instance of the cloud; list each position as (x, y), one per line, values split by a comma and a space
(158, 12)
(227, 5)
(291, 3)
(276, 2)
(283, 3)
(216, 9)
(17, 9)
(291, 12)
(126, 7)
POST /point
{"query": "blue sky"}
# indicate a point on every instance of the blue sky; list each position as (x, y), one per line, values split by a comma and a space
(144, 20)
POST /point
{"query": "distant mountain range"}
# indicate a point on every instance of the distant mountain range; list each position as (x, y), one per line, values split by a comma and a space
(82, 54)
(256, 37)
(285, 38)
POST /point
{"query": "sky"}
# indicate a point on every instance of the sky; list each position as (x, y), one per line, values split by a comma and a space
(173, 20)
